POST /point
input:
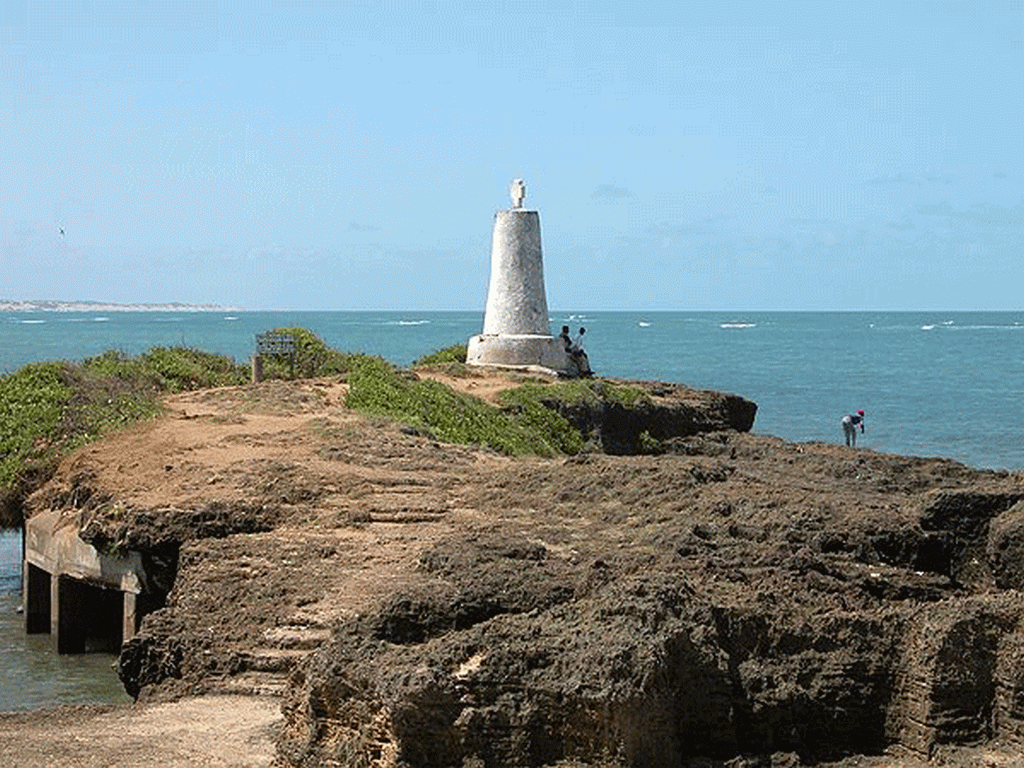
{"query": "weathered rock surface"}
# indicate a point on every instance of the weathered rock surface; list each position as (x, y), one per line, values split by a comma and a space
(671, 412)
(734, 600)
(708, 639)
(1005, 551)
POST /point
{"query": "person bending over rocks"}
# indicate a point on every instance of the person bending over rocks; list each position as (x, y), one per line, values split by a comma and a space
(850, 423)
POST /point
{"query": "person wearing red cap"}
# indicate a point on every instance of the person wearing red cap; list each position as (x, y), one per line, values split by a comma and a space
(850, 422)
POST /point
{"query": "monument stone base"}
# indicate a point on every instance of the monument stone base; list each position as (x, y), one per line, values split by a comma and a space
(519, 351)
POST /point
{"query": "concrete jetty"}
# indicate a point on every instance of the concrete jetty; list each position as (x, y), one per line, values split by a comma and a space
(84, 598)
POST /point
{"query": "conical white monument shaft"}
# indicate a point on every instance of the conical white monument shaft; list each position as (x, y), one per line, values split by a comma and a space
(516, 331)
(516, 303)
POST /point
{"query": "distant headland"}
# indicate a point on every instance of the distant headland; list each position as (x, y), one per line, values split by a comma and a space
(8, 305)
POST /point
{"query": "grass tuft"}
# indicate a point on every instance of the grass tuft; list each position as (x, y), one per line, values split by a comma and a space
(582, 391)
(456, 353)
(376, 386)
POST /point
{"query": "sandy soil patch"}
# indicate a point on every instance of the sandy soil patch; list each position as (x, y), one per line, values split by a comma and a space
(228, 731)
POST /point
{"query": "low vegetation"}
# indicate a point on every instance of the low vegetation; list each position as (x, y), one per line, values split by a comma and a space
(432, 408)
(456, 353)
(32, 405)
(46, 409)
(164, 369)
(312, 358)
(581, 391)
(523, 425)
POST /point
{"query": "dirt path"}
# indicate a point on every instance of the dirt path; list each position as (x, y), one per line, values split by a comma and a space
(227, 731)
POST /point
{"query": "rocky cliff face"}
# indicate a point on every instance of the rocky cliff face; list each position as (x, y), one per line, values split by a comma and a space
(729, 600)
(652, 425)
(766, 616)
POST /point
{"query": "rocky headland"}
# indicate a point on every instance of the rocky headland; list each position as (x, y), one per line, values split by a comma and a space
(682, 593)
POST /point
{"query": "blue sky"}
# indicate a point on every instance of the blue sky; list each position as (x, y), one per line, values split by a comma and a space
(350, 154)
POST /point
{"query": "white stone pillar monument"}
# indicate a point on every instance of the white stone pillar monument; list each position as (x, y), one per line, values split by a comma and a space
(516, 332)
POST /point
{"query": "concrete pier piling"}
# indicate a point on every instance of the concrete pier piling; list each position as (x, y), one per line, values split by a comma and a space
(84, 598)
(516, 332)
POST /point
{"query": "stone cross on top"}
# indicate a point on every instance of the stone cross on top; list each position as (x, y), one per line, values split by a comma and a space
(517, 191)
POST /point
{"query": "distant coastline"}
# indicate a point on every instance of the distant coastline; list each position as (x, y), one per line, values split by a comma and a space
(7, 305)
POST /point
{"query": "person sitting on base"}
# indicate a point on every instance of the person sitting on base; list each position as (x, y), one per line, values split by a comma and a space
(577, 354)
(566, 340)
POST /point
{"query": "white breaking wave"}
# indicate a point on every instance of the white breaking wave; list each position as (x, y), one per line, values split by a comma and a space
(1014, 327)
(737, 325)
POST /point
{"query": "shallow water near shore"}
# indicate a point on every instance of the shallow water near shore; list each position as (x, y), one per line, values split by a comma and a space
(32, 674)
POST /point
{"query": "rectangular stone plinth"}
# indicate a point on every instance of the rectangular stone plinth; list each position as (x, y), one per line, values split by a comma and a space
(505, 351)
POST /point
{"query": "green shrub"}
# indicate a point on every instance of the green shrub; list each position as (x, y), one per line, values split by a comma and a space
(176, 369)
(456, 353)
(619, 393)
(378, 387)
(102, 401)
(529, 401)
(47, 409)
(532, 413)
(166, 369)
(33, 401)
(312, 357)
(113, 364)
(577, 391)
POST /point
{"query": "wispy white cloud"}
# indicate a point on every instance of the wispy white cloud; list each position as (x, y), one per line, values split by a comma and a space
(611, 192)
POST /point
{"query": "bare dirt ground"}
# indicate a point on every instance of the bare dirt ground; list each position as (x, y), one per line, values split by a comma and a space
(293, 519)
(228, 731)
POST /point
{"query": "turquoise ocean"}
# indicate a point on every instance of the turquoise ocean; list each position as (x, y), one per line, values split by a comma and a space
(944, 384)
